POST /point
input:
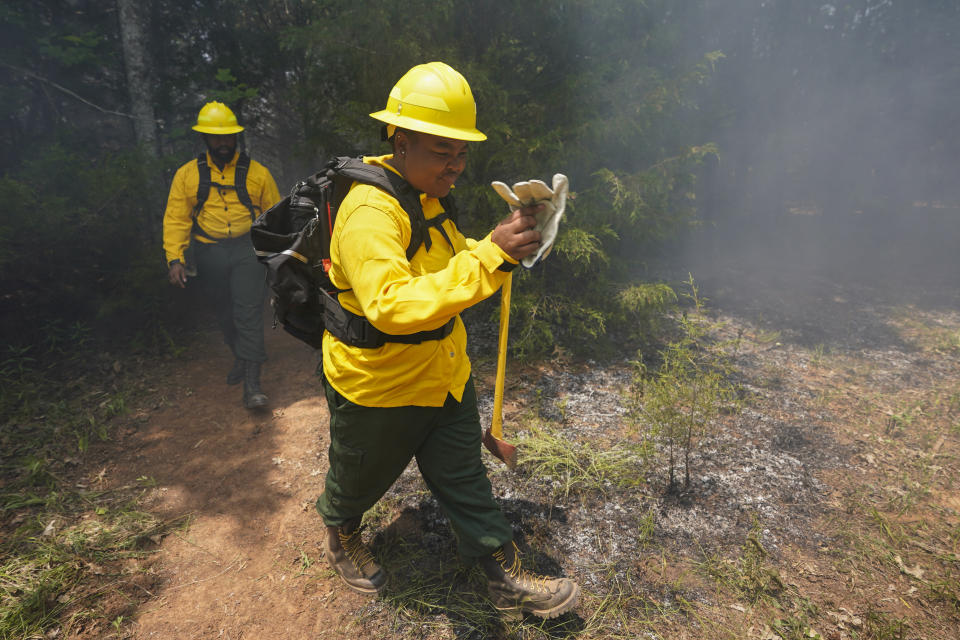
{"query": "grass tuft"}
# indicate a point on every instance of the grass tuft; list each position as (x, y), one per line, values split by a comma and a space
(570, 466)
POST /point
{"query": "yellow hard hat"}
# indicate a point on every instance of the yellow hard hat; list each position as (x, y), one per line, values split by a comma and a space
(216, 118)
(433, 98)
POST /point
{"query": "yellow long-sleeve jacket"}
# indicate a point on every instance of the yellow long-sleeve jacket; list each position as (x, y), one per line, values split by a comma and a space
(368, 252)
(223, 215)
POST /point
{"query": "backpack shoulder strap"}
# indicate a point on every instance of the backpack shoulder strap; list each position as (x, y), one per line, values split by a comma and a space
(449, 207)
(449, 213)
(408, 197)
(203, 185)
(240, 183)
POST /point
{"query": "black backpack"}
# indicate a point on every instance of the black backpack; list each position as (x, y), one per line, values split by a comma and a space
(292, 238)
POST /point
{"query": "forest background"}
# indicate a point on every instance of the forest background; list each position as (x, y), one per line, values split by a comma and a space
(814, 142)
(667, 117)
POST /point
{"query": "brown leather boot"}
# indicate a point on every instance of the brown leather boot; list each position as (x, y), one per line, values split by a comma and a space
(352, 560)
(514, 590)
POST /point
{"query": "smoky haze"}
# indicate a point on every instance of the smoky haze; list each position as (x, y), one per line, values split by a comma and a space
(835, 183)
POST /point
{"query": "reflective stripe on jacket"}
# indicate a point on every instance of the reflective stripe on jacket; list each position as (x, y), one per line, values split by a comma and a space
(368, 251)
(223, 215)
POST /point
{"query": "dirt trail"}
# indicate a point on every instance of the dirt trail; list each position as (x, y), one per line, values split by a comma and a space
(247, 481)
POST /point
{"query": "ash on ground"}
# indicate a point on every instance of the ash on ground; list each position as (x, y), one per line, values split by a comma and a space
(758, 470)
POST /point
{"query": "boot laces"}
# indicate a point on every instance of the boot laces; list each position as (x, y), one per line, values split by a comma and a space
(515, 571)
(352, 543)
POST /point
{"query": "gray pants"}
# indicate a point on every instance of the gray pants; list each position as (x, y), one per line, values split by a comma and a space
(234, 284)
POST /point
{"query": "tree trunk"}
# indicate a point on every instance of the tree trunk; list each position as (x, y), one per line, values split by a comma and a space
(133, 16)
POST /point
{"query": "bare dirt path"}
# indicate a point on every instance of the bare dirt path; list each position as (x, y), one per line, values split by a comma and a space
(247, 481)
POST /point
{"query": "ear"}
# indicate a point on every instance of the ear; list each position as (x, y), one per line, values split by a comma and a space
(401, 142)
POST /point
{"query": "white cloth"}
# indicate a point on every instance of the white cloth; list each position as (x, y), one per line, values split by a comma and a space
(554, 202)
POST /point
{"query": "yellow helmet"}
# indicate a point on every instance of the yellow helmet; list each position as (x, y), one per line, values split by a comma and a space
(216, 118)
(433, 98)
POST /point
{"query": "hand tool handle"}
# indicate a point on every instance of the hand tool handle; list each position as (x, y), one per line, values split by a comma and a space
(496, 425)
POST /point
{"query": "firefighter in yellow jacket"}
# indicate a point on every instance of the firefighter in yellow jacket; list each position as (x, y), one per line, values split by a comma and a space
(415, 398)
(213, 201)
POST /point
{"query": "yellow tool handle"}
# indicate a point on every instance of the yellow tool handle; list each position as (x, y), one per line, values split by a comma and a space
(496, 425)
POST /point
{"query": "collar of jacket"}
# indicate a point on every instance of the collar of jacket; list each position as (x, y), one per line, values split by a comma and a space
(381, 161)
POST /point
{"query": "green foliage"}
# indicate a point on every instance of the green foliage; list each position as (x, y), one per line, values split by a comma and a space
(679, 400)
(598, 91)
(543, 321)
(583, 250)
(619, 95)
(72, 244)
(592, 90)
(71, 50)
(651, 205)
(230, 91)
(60, 69)
(642, 304)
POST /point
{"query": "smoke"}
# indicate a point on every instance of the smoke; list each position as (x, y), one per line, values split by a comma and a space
(835, 178)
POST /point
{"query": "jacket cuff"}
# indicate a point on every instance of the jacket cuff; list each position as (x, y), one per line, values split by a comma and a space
(493, 257)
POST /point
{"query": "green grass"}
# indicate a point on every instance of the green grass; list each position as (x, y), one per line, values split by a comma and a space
(749, 576)
(54, 559)
(881, 626)
(549, 454)
(818, 354)
(61, 542)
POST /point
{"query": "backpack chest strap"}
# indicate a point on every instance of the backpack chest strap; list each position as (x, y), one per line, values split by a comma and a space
(205, 183)
(437, 223)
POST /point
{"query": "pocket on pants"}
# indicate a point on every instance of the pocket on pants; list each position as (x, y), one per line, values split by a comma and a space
(335, 401)
(340, 402)
(347, 465)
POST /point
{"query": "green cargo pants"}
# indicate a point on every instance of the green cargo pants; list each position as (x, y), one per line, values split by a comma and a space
(370, 447)
(234, 284)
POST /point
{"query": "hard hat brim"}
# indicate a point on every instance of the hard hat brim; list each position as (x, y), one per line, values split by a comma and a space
(217, 131)
(412, 124)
